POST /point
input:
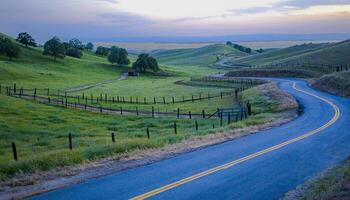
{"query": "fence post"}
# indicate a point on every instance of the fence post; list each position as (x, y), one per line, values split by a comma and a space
(196, 123)
(229, 118)
(153, 111)
(0, 89)
(137, 111)
(154, 100)
(173, 100)
(14, 88)
(48, 91)
(148, 135)
(189, 114)
(192, 98)
(100, 108)
(121, 110)
(49, 99)
(249, 106)
(221, 119)
(175, 128)
(34, 93)
(14, 151)
(70, 141)
(203, 113)
(144, 100)
(163, 100)
(221, 95)
(178, 113)
(113, 138)
(66, 103)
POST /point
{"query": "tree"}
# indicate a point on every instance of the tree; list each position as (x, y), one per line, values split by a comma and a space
(26, 39)
(145, 61)
(55, 48)
(66, 46)
(102, 51)
(118, 55)
(8, 48)
(73, 52)
(260, 50)
(228, 43)
(75, 43)
(89, 46)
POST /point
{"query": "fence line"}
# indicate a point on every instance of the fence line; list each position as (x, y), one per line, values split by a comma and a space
(323, 67)
(63, 102)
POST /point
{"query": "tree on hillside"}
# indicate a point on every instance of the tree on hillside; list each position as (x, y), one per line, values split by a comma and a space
(73, 52)
(260, 50)
(75, 43)
(26, 39)
(102, 51)
(66, 45)
(228, 43)
(55, 48)
(118, 55)
(145, 61)
(8, 48)
(89, 46)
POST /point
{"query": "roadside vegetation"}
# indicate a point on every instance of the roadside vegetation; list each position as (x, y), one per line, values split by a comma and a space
(334, 183)
(336, 83)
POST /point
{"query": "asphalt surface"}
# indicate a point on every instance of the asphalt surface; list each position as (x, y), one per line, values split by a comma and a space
(265, 176)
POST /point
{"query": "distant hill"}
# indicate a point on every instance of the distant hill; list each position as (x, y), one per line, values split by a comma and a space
(334, 54)
(203, 56)
(278, 54)
(314, 54)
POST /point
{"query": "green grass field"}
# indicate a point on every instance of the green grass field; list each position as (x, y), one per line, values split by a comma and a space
(41, 131)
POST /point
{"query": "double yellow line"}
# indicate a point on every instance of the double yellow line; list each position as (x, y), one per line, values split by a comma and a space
(251, 156)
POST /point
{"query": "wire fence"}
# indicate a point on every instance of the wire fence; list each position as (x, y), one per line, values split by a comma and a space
(82, 103)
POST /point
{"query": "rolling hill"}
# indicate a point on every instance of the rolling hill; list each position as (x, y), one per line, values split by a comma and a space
(32, 69)
(203, 56)
(305, 54)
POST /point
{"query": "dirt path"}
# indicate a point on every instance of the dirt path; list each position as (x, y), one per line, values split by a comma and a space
(79, 88)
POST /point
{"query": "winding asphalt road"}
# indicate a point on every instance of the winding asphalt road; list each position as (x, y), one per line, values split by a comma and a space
(264, 165)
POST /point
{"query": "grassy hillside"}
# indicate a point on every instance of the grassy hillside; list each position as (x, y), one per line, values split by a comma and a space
(314, 54)
(32, 69)
(278, 54)
(203, 56)
(335, 54)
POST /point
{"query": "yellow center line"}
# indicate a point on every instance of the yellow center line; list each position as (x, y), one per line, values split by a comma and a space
(249, 157)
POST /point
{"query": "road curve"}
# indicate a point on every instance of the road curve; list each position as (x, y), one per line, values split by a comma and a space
(264, 165)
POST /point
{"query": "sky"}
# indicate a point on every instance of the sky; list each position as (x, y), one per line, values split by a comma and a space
(172, 18)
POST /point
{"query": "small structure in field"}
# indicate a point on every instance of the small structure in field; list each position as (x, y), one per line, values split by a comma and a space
(133, 73)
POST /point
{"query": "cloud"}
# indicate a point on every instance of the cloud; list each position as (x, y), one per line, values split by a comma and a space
(302, 4)
(288, 5)
(110, 1)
